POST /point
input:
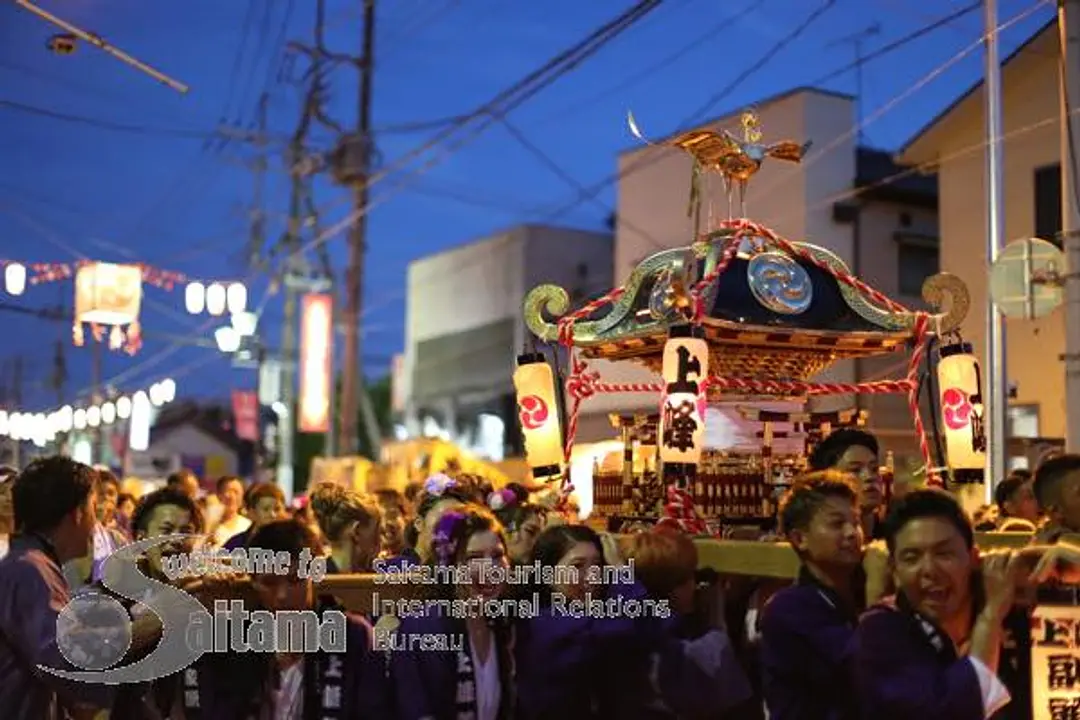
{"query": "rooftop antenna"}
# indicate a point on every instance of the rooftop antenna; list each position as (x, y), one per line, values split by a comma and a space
(65, 45)
(856, 40)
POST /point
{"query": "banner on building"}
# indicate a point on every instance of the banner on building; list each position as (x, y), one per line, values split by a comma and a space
(245, 406)
(316, 362)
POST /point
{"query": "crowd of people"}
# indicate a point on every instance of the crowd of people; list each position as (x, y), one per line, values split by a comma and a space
(895, 614)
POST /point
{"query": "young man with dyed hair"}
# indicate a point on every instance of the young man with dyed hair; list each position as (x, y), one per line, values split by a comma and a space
(807, 629)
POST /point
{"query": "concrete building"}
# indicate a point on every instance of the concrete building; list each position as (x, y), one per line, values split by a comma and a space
(852, 200)
(952, 145)
(464, 327)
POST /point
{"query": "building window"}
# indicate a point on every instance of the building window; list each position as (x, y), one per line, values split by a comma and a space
(916, 262)
(1048, 203)
(1024, 421)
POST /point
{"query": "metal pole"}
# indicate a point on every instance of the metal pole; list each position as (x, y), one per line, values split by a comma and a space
(1069, 27)
(996, 405)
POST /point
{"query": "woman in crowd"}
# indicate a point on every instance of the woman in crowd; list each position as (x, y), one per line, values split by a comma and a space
(474, 678)
(230, 494)
(350, 523)
(394, 517)
(583, 665)
(264, 502)
(440, 493)
(521, 520)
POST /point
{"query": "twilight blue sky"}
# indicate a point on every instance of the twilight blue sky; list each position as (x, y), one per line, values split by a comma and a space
(154, 188)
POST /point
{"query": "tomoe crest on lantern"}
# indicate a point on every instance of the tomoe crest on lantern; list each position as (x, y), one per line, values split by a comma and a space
(682, 413)
(534, 384)
(961, 407)
(109, 296)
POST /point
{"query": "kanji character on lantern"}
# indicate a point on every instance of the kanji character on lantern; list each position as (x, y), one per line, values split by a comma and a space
(682, 413)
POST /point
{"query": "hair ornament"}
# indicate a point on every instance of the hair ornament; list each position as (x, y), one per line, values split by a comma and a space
(501, 499)
(438, 484)
(443, 539)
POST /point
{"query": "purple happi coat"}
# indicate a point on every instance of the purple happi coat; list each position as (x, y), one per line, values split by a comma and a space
(906, 668)
(438, 683)
(32, 594)
(613, 666)
(337, 686)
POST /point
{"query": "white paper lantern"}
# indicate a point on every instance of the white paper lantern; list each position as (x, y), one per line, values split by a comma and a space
(123, 407)
(78, 419)
(93, 416)
(682, 413)
(195, 298)
(108, 413)
(216, 299)
(236, 298)
(961, 407)
(15, 278)
(538, 416)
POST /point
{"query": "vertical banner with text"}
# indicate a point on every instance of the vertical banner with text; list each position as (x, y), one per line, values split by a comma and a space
(1055, 662)
(246, 414)
(316, 362)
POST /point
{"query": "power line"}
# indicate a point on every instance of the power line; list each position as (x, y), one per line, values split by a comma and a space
(107, 124)
(503, 103)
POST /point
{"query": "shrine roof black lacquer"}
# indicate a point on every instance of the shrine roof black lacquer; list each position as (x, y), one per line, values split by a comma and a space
(770, 314)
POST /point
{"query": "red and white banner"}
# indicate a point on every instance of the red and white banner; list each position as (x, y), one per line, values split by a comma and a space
(245, 407)
(316, 362)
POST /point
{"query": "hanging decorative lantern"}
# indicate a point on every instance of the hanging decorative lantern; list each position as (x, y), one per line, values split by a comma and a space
(108, 295)
(959, 383)
(216, 299)
(236, 298)
(15, 278)
(538, 414)
(195, 298)
(682, 410)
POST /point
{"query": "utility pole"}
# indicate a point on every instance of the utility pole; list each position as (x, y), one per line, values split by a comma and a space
(856, 40)
(1069, 29)
(352, 373)
(297, 273)
(996, 394)
(257, 236)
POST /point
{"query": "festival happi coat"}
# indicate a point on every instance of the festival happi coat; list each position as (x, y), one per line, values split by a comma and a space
(766, 314)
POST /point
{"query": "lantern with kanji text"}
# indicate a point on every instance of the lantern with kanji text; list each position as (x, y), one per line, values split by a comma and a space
(109, 296)
(538, 415)
(682, 410)
(961, 407)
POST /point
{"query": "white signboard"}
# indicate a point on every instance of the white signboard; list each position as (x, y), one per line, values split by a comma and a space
(149, 466)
